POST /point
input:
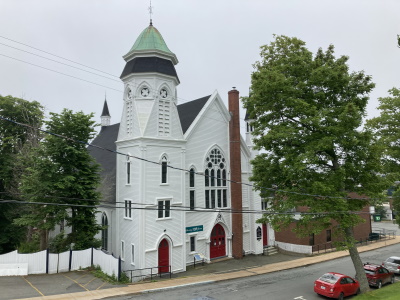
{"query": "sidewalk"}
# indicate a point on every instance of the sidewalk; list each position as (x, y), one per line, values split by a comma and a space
(218, 271)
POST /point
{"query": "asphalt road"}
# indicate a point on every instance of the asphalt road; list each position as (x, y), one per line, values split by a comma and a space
(294, 284)
(17, 287)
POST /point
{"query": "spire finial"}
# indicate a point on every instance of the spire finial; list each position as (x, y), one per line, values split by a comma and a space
(150, 13)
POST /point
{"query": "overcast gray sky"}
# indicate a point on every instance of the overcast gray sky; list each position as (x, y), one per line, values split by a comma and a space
(216, 43)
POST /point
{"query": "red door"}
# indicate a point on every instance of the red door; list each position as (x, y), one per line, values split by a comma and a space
(265, 235)
(217, 242)
(163, 257)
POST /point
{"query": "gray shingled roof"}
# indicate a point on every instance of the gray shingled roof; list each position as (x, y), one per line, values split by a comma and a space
(188, 111)
(107, 160)
(149, 64)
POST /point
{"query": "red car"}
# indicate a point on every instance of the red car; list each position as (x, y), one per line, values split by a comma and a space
(378, 275)
(336, 285)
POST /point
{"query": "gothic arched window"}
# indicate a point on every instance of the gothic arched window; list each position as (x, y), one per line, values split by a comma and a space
(215, 180)
(104, 232)
(164, 169)
(192, 188)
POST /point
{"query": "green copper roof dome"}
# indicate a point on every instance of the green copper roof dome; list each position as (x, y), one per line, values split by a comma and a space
(150, 39)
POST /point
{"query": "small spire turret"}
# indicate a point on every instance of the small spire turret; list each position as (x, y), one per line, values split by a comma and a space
(105, 115)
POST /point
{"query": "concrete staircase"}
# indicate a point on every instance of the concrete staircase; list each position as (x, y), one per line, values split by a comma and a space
(270, 250)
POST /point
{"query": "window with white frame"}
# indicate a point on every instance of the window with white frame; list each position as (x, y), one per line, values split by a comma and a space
(216, 193)
(132, 253)
(264, 204)
(192, 188)
(123, 250)
(249, 127)
(164, 209)
(128, 209)
(164, 169)
(192, 243)
(128, 172)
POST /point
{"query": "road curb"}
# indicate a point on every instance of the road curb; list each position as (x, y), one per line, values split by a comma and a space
(177, 286)
(151, 287)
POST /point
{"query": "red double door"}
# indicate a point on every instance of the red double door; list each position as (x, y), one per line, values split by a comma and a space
(163, 256)
(217, 242)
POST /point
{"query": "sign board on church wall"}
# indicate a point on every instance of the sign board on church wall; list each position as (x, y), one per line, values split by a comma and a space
(194, 228)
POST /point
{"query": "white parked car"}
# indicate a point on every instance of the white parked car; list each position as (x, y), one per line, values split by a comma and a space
(392, 264)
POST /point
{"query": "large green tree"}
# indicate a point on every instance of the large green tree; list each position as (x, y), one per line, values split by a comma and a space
(307, 111)
(63, 172)
(386, 127)
(15, 142)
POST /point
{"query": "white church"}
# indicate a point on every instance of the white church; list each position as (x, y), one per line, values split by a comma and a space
(174, 193)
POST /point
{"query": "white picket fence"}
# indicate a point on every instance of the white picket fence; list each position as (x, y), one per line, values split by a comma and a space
(42, 262)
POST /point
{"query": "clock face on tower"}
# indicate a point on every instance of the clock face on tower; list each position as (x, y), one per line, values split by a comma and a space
(145, 92)
(163, 93)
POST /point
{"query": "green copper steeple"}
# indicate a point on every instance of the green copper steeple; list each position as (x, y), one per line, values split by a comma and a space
(150, 39)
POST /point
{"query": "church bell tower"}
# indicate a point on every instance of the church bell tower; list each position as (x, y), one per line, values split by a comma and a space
(150, 95)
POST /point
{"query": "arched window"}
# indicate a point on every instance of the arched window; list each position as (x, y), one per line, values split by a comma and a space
(164, 169)
(104, 232)
(215, 180)
(192, 188)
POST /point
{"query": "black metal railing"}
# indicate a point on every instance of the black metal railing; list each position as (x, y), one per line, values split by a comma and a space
(154, 272)
(195, 262)
(376, 236)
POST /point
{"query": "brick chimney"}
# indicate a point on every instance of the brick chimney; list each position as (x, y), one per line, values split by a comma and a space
(236, 174)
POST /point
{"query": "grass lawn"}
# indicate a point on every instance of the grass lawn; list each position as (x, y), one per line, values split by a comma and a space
(388, 292)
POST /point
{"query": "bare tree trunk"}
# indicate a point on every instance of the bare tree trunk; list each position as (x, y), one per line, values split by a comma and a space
(43, 239)
(357, 262)
(29, 234)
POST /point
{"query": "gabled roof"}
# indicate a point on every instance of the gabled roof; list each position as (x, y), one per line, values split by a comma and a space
(107, 160)
(188, 111)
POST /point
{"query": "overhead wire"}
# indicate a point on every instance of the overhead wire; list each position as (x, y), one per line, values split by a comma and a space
(189, 171)
(176, 208)
(6, 38)
(75, 77)
(60, 72)
(59, 62)
(181, 100)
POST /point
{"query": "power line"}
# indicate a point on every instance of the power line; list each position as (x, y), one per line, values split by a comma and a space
(57, 56)
(203, 210)
(60, 73)
(319, 197)
(182, 101)
(60, 62)
(88, 80)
